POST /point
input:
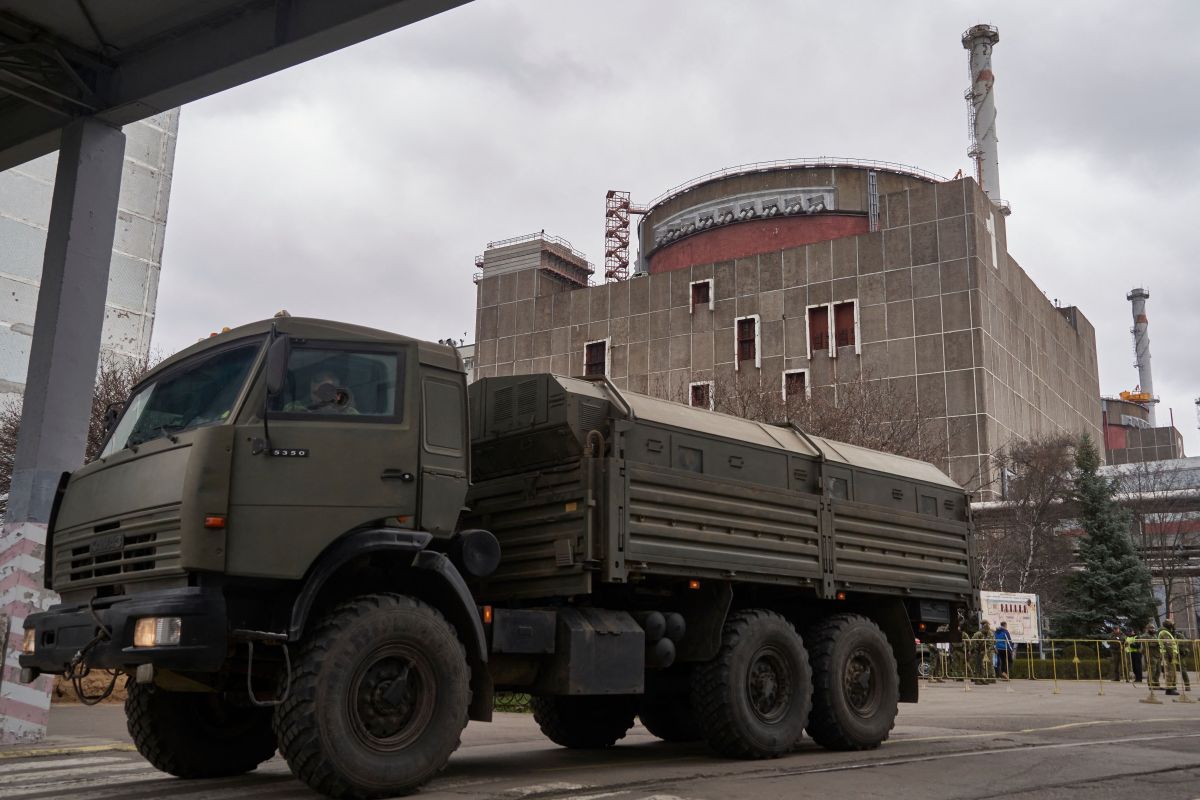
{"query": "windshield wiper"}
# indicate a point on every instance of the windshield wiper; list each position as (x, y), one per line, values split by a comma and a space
(155, 433)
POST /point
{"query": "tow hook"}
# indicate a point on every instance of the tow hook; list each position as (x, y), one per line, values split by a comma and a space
(268, 638)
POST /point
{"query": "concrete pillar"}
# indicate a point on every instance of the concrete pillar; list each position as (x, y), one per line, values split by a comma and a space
(58, 393)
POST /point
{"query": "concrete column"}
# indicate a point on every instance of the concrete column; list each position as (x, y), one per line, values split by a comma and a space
(58, 393)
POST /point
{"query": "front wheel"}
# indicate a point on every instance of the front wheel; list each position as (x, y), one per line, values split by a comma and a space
(856, 687)
(753, 699)
(197, 734)
(378, 701)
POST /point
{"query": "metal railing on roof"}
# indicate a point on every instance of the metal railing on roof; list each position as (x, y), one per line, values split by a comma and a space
(529, 237)
(820, 161)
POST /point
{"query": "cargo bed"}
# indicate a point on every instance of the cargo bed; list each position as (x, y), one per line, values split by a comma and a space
(585, 485)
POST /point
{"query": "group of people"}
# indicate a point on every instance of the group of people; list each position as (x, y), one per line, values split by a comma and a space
(982, 656)
(1154, 649)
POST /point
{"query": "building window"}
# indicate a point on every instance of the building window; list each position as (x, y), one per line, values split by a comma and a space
(845, 324)
(747, 345)
(702, 294)
(795, 384)
(595, 357)
(700, 394)
(818, 328)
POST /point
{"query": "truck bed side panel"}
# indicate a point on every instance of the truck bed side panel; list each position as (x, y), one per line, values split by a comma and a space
(681, 522)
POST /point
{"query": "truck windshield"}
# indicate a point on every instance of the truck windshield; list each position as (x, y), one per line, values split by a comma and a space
(198, 392)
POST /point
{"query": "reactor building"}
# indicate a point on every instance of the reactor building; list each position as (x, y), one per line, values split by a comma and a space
(805, 275)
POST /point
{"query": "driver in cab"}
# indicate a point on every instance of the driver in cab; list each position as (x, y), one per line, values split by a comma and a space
(326, 396)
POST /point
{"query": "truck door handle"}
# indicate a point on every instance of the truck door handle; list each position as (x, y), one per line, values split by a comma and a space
(396, 475)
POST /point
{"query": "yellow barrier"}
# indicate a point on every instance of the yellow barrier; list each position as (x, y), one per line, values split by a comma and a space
(1070, 660)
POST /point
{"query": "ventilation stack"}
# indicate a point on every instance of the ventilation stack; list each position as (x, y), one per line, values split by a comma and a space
(1141, 348)
(980, 40)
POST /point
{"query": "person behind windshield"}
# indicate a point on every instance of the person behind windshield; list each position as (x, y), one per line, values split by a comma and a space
(326, 396)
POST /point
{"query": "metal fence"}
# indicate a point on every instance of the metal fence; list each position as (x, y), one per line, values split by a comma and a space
(1155, 663)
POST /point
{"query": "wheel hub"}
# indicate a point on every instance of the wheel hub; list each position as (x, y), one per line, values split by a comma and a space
(768, 684)
(391, 698)
(861, 684)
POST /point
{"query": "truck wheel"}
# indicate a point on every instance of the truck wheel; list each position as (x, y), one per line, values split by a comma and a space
(856, 687)
(752, 700)
(379, 699)
(585, 722)
(197, 734)
(670, 718)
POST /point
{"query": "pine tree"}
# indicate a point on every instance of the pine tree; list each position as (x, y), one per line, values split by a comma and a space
(1114, 583)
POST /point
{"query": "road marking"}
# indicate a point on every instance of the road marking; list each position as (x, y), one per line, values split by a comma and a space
(545, 788)
(56, 762)
(1064, 726)
(43, 778)
(118, 747)
(888, 762)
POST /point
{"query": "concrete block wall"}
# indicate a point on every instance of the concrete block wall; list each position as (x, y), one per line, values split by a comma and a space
(978, 347)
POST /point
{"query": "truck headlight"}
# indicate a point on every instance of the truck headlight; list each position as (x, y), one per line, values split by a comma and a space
(157, 631)
(30, 642)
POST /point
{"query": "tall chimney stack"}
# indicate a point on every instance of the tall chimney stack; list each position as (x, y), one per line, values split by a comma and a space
(1141, 345)
(980, 40)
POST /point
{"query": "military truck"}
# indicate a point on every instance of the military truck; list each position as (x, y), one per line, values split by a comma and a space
(309, 536)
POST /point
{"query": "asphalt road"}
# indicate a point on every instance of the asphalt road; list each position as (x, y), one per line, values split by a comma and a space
(986, 742)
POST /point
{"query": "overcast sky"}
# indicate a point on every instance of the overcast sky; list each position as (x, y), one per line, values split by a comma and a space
(361, 186)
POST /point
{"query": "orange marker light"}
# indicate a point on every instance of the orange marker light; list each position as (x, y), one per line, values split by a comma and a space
(693, 584)
(841, 595)
(487, 615)
(215, 522)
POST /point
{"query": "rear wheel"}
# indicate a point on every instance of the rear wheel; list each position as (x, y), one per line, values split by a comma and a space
(585, 722)
(378, 701)
(753, 699)
(856, 687)
(197, 734)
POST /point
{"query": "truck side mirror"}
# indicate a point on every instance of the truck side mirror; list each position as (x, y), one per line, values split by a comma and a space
(277, 361)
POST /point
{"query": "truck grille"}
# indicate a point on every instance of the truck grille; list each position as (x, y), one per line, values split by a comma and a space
(115, 551)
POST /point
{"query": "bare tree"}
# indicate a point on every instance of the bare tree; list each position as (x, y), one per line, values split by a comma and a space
(863, 411)
(1166, 527)
(115, 377)
(1020, 547)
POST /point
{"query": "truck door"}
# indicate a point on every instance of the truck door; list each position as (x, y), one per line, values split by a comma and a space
(343, 453)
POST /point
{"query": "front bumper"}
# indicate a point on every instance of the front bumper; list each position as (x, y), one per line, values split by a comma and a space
(63, 630)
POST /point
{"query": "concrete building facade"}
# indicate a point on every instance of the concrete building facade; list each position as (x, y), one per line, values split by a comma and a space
(826, 273)
(25, 194)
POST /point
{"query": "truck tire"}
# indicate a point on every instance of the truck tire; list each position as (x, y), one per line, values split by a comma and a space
(585, 722)
(379, 699)
(753, 699)
(856, 686)
(670, 718)
(197, 734)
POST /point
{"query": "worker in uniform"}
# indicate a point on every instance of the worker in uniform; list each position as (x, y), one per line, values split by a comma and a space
(1170, 656)
(961, 658)
(1133, 651)
(983, 647)
(1153, 655)
(1117, 667)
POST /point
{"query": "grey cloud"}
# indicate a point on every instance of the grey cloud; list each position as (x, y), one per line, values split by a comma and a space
(363, 184)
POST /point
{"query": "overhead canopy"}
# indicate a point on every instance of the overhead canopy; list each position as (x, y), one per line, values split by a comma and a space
(125, 60)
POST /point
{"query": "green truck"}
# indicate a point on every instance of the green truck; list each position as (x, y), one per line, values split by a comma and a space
(313, 537)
